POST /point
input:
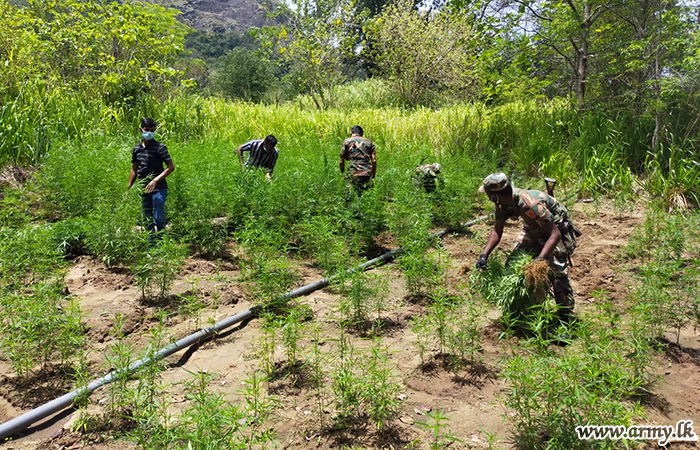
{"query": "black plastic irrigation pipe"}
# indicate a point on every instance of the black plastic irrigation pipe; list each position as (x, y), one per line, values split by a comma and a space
(18, 424)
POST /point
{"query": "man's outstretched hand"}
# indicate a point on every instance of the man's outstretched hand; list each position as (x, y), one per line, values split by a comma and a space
(481, 263)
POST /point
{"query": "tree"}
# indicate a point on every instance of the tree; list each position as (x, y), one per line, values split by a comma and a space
(120, 50)
(312, 44)
(566, 27)
(20, 49)
(243, 74)
(426, 57)
(655, 45)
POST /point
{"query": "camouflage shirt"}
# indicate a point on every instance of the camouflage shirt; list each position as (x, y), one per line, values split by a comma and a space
(358, 151)
(535, 207)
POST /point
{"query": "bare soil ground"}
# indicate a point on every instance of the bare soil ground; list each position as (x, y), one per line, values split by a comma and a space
(470, 399)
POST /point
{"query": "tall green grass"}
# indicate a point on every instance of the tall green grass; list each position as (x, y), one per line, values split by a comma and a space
(535, 138)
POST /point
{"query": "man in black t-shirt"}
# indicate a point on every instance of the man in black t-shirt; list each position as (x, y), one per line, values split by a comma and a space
(147, 159)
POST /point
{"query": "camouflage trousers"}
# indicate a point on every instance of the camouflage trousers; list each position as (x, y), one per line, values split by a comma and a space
(357, 185)
(563, 293)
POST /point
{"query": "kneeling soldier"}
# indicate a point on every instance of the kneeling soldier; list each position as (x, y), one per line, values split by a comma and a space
(544, 219)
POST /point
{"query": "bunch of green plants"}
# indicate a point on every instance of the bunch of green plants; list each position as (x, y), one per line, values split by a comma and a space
(662, 237)
(15, 206)
(284, 326)
(370, 219)
(69, 237)
(111, 233)
(266, 263)
(267, 344)
(464, 342)
(315, 365)
(158, 266)
(42, 329)
(381, 388)
(624, 333)
(503, 284)
(347, 388)
(28, 255)
(204, 236)
(424, 269)
(361, 294)
(363, 383)
(667, 283)
(451, 328)
(209, 421)
(605, 171)
(118, 356)
(149, 394)
(410, 220)
(259, 405)
(293, 328)
(454, 202)
(307, 194)
(551, 395)
(433, 329)
(600, 378)
(323, 239)
(441, 436)
(542, 325)
(273, 275)
(667, 296)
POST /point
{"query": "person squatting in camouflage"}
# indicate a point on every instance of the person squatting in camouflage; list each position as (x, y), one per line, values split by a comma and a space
(544, 217)
(425, 177)
(360, 152)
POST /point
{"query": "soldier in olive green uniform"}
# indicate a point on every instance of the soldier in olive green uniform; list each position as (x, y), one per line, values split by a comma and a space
(359, 152)
(544, 219)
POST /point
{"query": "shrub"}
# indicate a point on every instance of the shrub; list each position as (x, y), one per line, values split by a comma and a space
(42, 327)
(28, 254)
(673, 178)
(157, 267)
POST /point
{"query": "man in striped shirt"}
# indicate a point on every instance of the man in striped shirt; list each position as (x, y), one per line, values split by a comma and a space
(263, 154)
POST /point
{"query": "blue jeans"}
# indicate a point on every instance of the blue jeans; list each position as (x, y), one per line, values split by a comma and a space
(153, 209)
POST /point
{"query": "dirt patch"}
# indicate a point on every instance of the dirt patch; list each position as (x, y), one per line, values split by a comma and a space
(13, 176)
(38, 388)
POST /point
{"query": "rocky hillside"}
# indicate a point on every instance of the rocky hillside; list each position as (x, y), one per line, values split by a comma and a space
(222, 15)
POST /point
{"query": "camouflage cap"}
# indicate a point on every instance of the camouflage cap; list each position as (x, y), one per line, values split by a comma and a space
(494, 183)
(429, 169)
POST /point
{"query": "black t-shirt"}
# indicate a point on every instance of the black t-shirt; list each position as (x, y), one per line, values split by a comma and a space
(149, 161)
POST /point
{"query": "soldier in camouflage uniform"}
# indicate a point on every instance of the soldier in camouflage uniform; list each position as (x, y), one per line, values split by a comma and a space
(425, 176)
(542, 215)
(359, 151)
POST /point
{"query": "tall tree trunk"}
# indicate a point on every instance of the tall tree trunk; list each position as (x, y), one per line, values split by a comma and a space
(657, 82)
(582, 56)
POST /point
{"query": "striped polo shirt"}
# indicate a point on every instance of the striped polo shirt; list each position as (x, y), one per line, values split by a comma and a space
(259, 156)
